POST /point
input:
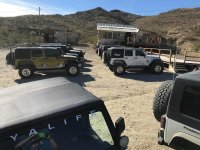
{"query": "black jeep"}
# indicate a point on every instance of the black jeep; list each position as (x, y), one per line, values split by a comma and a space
(66, 49)
(55, 114)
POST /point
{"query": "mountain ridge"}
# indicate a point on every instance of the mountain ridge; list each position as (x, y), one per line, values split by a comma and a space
(181, 27)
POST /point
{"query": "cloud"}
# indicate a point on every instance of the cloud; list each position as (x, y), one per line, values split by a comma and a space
(9, 8)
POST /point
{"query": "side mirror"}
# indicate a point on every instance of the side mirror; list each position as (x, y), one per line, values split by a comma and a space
(120, 125)
(123, 142)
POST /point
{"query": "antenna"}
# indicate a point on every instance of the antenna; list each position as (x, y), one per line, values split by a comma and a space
(39, 26)
(174, 75)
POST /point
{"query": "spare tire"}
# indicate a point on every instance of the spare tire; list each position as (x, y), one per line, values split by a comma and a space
(161, 99)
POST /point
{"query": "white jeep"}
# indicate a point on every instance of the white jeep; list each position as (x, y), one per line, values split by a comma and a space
(121, 58)
(177, 106)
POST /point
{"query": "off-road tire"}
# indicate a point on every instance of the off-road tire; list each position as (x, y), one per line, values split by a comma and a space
(157, 68)
(26, 71)
(111, 68)
(117, 68)
(161, 99)
(99, 54)
(104, 57)
(72, 69)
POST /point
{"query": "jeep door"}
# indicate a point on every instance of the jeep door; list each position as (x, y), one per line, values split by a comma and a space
(140, 58)
(51, 61)
(128, 57)
(37, 58)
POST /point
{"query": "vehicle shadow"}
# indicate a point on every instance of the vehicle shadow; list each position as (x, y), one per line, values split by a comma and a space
(82, 45)
(148, 76)
(80, 79)
(87, 60)
(40, 76)
(87, 65)
(86, 70)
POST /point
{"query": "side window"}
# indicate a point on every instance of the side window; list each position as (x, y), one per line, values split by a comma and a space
(49, 53)
(37, 53)
(117, 53)
(190, 105)
(128, 53)
(139, 53)
(100, 127)
(22, 54)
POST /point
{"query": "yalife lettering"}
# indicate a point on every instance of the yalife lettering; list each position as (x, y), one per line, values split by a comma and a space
(51, 127)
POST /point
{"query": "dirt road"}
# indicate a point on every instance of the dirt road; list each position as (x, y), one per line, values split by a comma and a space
(129, 96)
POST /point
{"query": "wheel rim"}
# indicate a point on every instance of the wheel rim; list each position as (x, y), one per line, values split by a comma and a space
(158, 68)
(120, 69)
(73, 70)
(26, 72)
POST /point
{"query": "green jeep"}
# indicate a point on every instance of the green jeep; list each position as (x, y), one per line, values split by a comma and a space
(31, 59)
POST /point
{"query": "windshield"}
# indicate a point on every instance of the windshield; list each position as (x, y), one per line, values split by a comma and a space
(80, 132)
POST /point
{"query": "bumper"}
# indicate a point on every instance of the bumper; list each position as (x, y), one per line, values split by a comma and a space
(161, 137)
(79, 65)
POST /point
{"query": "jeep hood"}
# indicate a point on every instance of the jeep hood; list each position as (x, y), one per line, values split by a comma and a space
(69, 56)
(153, 56)
(76, 51)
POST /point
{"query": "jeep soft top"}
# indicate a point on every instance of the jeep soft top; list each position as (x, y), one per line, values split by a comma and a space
(51, 96)
(56, 113)
(66, 49)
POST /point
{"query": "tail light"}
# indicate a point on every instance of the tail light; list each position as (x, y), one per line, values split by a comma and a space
(163, 121)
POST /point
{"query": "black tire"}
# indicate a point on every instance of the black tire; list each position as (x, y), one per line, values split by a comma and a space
(111, 68)
(104, 57)
(161, 99)
(119, 69)
(99, 53)
(26, 71)
(72, 69)
(157, 68)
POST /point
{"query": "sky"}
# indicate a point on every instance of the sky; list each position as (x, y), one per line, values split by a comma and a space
(64, 7)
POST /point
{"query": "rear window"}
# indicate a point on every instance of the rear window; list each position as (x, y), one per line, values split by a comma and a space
(117, 53)
(22, 54)
(190, 105)
(81, 132)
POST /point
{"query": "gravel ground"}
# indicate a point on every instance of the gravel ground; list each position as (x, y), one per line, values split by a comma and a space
(129, 96)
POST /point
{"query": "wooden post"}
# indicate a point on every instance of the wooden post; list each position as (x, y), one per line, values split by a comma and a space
(39, 26)
(185, 57)
(159, 52)
(170, 57)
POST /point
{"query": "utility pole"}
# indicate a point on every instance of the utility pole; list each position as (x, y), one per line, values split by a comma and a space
(39, 27)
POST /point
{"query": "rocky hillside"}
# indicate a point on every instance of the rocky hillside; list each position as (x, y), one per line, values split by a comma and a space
(180, 27)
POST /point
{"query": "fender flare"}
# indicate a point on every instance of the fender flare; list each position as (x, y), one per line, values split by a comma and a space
(25, 62)
(156, 61)
(120, 62)
(186, 138)
(69, 61)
